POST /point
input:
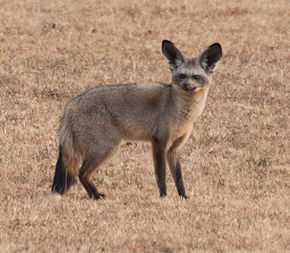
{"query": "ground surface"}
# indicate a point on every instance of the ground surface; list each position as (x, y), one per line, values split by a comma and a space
(236, 165)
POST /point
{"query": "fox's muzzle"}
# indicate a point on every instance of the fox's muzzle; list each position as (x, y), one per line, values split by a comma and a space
(191, 86)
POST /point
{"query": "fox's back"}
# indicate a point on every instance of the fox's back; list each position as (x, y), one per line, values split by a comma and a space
(133, 109)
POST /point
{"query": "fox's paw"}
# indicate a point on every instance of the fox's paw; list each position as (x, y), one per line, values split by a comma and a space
(98, 196)
(184, 196)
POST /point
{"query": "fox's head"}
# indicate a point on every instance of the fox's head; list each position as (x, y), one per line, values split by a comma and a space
(191, 74)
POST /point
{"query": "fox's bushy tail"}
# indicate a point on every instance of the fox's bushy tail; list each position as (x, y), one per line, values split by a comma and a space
(63, 178)
(67, 164)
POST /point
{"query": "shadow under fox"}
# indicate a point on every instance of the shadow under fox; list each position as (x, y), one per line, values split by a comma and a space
(95, 122)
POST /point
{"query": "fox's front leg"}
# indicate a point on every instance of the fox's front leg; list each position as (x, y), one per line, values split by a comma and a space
(159, 156)
(175, 167)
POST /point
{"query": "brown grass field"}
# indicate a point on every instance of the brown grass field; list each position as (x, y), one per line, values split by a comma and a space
(236, 165)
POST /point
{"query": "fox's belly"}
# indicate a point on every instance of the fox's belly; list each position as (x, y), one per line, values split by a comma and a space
(137, 134)
(136, 130)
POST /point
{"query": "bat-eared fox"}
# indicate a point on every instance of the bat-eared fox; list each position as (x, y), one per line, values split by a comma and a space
(95, 122)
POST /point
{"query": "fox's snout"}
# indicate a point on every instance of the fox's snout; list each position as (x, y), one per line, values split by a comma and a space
(190, 86)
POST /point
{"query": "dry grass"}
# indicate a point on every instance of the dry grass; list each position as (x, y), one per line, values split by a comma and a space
(236, 165)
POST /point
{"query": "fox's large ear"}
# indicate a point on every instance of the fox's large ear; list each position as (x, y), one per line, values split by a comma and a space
(210, 57)
(173, 55)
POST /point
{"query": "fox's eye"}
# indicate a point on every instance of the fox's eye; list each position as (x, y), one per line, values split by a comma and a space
(198, 78)
(181, 76)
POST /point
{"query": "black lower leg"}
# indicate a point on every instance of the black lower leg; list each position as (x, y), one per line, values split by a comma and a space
(160, 167)
(161, 175)
(91, 189)
(176, 172)
(86, 185)
(84, 176)
(179, 181)
(96, 195)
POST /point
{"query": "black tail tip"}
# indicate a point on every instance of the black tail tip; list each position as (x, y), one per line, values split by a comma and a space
(56, 188)
(62, 184)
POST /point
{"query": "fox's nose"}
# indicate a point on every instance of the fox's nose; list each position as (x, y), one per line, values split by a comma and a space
(190, 85)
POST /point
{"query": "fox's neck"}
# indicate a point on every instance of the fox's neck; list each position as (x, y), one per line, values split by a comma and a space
(190, 105)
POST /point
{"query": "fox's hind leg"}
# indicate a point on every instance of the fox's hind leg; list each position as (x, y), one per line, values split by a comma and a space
(92, 161)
